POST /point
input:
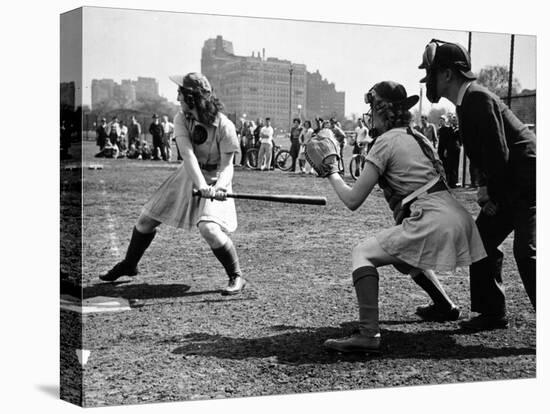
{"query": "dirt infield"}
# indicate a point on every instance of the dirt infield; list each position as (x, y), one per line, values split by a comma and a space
(188, 342)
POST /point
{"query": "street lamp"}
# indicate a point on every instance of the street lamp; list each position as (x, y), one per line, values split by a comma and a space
(290, 70)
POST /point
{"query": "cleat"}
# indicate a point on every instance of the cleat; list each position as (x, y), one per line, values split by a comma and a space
(120, 269)
(434, 314)
(485, 323)
(235, 286)
(355, 343)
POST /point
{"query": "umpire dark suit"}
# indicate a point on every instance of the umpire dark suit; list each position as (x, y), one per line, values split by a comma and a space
(449, 152)
(504, 150)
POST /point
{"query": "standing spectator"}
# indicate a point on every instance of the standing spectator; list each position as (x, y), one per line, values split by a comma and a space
(428, 130)
(504, 150)
(256, 134)
(305, 137)
(295, 132)
(339, 134)
(444, 134)
(358, 140)
(244, 136)
(266, 146)
(101, 134)
(155, 129)
(123, 138)
(168, 133)
(453, 151)
(134, 133)
(113, 131)
(65, 140)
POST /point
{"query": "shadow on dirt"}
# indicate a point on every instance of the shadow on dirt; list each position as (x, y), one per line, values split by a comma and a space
(304, 346)
(141, 291)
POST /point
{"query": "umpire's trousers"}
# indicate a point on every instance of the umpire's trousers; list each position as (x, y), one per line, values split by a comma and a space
(486, 288)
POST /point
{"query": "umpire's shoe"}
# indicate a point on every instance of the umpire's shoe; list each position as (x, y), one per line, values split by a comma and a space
(235, 286)
(355, 343)
(120, 269)
(433, 313)
(485, 322)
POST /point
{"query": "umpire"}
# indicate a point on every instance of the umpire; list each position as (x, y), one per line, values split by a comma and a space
(504, 150)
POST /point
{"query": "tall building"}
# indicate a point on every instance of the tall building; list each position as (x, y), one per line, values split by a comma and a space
(67, 95)
(323, 99)
(146, 88)
(102, 90)
(127, 92)
(254, 86)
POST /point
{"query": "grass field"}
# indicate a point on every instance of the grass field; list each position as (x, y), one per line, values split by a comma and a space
(188, 342)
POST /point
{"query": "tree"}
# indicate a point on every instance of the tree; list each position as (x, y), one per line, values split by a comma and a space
(495, 78)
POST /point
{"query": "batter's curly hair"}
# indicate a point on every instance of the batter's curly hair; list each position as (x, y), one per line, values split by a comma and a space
(206, 103)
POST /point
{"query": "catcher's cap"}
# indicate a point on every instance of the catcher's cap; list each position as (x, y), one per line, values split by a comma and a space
(192, 81)
(392, 92)
(441, 54)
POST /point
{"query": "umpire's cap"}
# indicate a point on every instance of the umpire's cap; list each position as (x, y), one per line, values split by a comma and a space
(193, 81)
(441, 54)
(392, 92)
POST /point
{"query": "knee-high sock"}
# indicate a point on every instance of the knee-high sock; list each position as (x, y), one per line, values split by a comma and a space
(227, 255)
(365, 281)
(429, 283)
(138, 244)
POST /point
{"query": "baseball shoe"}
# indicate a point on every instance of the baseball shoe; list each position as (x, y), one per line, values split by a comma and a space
(485, 322)
(120, 269)
(433, 313)
(235, 286)
(354, 343)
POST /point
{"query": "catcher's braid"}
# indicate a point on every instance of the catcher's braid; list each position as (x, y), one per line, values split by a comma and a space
(323, 153)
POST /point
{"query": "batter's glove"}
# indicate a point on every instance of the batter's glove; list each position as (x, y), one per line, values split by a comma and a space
(323, 153)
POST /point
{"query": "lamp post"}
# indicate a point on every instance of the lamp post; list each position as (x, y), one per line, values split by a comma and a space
(290, 70)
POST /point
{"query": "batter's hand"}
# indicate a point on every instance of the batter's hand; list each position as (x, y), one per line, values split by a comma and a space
(208, 192)
(221, 193)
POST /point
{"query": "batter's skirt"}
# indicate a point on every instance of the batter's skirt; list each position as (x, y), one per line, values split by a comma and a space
(173, 204)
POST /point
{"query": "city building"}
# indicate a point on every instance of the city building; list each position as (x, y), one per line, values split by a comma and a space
(67, 95)
(253, 87)
(127, 92)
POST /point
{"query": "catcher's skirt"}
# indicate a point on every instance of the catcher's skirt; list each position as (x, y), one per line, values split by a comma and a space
(439, 235)
(173, 204)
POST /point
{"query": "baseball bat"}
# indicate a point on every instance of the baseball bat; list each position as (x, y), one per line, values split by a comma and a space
(277, 198)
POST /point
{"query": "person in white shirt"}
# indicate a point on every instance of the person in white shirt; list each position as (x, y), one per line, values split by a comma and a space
(305, 137)
(168, 128)
(266, 146)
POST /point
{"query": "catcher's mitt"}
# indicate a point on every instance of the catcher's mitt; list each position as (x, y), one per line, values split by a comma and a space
(199, 135)
(323, 153)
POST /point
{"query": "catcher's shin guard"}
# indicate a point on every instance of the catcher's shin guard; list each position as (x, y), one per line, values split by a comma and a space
(429, 283)
(365, 281)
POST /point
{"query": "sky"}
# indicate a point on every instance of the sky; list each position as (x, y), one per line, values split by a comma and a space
(124, 44)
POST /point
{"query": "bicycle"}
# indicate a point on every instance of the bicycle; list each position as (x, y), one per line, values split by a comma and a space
(281, 158)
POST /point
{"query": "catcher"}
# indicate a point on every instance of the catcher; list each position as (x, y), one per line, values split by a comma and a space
(207, 141)
(432, 231)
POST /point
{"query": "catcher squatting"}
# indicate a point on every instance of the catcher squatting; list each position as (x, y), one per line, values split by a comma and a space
(432, 231)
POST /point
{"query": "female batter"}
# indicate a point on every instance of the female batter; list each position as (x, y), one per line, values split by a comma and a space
(433, 232)
(207, 141)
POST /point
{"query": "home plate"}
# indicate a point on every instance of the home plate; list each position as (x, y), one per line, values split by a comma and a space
(95, 167)
(98, 304)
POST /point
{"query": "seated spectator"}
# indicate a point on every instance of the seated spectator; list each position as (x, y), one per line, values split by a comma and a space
(109, 150)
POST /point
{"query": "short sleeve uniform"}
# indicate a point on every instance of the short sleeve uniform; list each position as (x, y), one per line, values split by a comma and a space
(439, 234)
(173, 204)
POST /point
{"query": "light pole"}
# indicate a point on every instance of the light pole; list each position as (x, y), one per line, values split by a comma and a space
(290, 70)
